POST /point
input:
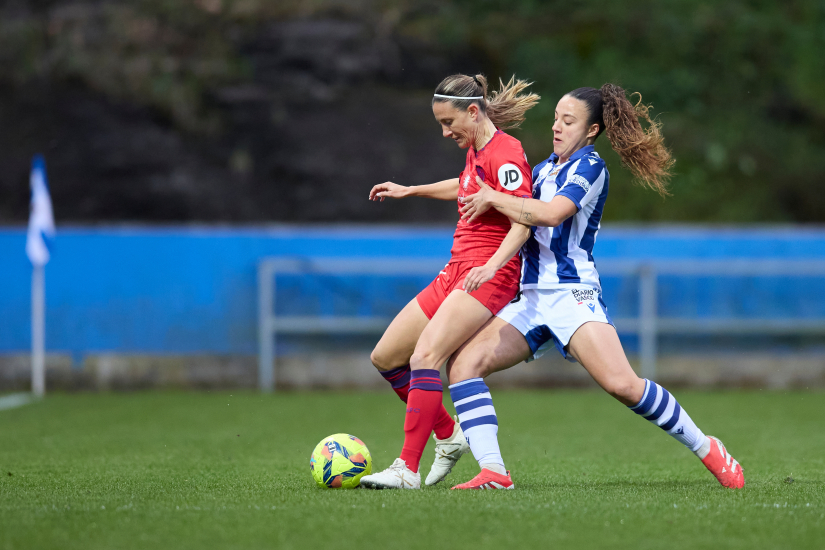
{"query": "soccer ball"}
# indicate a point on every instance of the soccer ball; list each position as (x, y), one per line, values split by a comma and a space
(340, 461)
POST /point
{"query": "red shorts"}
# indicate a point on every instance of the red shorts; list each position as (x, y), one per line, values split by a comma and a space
(494, 294)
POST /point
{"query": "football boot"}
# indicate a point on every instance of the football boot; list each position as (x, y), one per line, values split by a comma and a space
(721, 464)
(397, 476)
(487, 479)
(447, 453)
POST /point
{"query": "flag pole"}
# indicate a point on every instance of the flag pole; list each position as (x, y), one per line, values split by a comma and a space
(38, 330)
(38, 242)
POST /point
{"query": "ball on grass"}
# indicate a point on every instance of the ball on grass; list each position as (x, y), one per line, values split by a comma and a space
(340, 461)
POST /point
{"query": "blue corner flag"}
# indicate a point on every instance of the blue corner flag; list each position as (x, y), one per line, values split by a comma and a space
(41, 220)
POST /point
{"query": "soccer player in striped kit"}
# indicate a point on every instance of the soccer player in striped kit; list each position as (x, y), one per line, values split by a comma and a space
(561, 304)
(481, 277)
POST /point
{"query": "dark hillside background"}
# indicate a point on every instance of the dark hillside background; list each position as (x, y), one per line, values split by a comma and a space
(288, 111)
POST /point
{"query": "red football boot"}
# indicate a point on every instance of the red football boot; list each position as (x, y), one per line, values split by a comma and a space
(488, 480)
(726, 469)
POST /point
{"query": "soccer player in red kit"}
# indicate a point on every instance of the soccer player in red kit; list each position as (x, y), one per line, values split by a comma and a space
(480, 279)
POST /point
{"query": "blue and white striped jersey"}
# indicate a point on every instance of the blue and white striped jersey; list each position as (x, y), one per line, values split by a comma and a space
(561, 255)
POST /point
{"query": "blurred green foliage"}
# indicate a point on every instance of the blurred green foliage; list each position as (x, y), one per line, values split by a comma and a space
(737, 84)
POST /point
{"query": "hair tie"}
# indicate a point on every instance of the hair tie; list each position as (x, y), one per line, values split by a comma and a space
(477, 82)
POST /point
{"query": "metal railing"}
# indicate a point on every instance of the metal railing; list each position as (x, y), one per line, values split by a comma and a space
(648, 326)
(270, 325)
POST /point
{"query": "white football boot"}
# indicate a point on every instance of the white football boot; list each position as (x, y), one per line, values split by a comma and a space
(447, 453)
(397, 476)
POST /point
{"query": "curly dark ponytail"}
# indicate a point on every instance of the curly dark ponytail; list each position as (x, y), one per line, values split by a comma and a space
(642, 151)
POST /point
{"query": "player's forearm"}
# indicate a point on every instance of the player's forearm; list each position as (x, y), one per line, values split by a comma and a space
(530, 212)
(512, 207)
(511, 244)
(547, 214)
(446, 190)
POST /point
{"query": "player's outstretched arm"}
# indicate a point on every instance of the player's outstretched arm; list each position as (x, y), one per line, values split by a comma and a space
(511, 244)
(446, 190)
(524, 211)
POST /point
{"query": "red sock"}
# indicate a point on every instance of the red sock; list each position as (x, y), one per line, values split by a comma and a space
(444, 423)
(423, 404)
(399, 379)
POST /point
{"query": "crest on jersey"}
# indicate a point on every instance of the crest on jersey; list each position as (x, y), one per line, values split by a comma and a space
(509, 176)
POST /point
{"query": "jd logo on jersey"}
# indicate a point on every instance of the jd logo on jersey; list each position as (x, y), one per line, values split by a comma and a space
(509, 176)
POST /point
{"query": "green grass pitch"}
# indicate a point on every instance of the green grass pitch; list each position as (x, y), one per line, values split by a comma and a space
(231, 470)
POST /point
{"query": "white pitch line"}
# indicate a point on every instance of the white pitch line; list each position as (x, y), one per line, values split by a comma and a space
(14, 400)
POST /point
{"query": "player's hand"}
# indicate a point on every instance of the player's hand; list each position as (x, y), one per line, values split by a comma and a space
(477, 204)
(388, 190)
(477, 277)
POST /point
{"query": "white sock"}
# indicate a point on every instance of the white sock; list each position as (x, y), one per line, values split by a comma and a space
(703, 451)
(661, 408)
(477, 417)
(497, 468)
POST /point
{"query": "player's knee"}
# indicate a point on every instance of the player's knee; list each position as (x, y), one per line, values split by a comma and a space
(424, 359)
(469, 365)
(622, 388)
(382, 361)
(461, 373)
(482, 368)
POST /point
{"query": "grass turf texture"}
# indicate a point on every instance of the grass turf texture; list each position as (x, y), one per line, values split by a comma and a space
(186, 470)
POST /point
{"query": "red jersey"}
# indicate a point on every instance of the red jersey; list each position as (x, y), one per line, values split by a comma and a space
(502, 165)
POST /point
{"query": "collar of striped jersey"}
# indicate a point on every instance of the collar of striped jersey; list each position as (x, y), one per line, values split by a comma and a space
(554, 158)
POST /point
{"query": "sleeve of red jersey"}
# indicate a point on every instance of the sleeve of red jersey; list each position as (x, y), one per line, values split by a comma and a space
(511, 173)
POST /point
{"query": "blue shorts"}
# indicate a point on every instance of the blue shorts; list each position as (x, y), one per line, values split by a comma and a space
(550, 317)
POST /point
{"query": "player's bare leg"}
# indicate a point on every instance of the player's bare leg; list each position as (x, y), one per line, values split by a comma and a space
(597, 347)
(396, 346)
(458, 318)
(496, 346)
(391, 357)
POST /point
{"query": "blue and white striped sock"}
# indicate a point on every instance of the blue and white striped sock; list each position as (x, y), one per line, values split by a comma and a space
(477, 417)
(661, 408)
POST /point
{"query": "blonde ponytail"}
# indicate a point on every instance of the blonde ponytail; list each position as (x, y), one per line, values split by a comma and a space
(505, 108)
